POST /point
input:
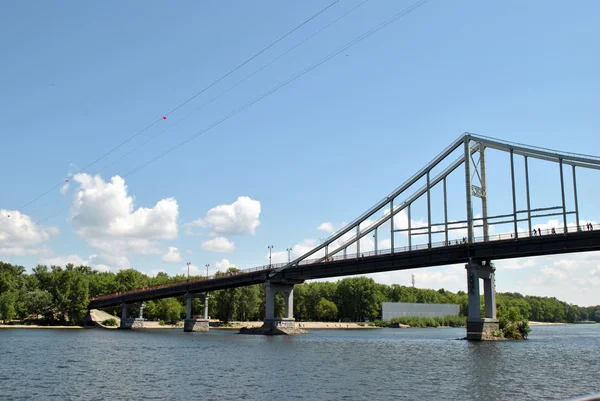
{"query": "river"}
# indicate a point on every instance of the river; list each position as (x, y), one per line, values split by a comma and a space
(557, 362)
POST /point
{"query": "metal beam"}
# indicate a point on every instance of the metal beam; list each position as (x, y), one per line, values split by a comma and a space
(468, 188)
(483, 181)
(575, 195)
(528, 198)
(514, 195)
(428, 210)
(539, 153)
(392, 224)
(562, 194)
(409, 231)
(445, 212)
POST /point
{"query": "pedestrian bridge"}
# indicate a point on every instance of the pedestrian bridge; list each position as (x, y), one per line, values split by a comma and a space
(332, 258)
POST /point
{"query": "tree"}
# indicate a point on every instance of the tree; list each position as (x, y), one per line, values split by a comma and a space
(38, 302)
(130, 279)
(226, 300)
(247, 303)
(326, 310)
(170, 309)
(357, 298)
(8, 300)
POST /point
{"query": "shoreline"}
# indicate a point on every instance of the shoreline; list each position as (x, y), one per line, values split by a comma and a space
(239, 325)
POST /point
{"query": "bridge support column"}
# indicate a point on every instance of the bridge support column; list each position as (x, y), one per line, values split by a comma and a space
(128, 323)
(206, 297)
(287, 321)
(479, 328)
(191, 324)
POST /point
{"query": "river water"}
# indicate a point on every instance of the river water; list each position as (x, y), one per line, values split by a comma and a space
(557, 362)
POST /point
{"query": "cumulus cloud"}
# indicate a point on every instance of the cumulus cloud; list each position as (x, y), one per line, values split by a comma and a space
(224, 264)
(106, 216)
(218, 244)
(240, 217)
(64, 260)
(104, 209)
(75, 260)
(326, 226)
(172, 255)
(20, 236)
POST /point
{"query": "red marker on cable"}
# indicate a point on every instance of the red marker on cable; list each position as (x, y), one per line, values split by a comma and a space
(164, 117)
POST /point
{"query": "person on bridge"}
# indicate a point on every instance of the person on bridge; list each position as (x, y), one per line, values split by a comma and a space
(539, 231)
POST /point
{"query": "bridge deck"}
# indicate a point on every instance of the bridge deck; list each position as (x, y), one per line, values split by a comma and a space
(372, 263)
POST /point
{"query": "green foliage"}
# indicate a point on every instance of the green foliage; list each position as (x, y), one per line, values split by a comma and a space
(380, 323)
(170, 308)
(161, 323)
(326, 310)
(359, 298)
(447, 321)
(524, 329)
(38, 302)
(62, 293)
(8, 300)
(510, 331)
(110, 322)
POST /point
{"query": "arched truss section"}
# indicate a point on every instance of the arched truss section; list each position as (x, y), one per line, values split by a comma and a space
(472, 158)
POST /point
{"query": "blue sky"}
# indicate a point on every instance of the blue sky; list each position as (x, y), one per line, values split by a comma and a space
(77, 79)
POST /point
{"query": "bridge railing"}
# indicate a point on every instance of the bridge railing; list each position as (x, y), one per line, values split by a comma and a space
(440, 244)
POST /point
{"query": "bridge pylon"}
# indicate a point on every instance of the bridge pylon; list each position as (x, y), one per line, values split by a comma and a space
(128, 323)
(478, 327)
(287, 321)
(192, 324)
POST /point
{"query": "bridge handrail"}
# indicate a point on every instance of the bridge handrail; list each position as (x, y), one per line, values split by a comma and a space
(439, 244)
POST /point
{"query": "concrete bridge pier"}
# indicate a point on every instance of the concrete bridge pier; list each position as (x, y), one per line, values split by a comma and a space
(128, 323)
(191, 324)
(481, 328)
(287, 321)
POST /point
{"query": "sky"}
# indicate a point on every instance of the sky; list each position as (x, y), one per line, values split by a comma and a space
(78, 79)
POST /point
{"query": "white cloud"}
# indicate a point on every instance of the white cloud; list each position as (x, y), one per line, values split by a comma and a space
(105, 215)
(64, 260)
(104, 209)
(326, 226)
(224, 264)
(172, 255)
(64, 189)
(76, 260)
(20, 236)
(241, 217)
(218, 244)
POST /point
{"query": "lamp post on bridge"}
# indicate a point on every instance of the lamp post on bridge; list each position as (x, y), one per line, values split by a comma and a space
(188, 265)
(207, 265)
(289, 251)
(270, 248)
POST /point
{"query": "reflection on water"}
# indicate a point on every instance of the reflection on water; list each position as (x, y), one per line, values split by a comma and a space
(413, 364)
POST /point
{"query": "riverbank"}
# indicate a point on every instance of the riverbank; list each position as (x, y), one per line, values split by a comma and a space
(547, 324)
(33, 326)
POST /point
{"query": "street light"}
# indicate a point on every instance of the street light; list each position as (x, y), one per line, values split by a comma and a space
(208, 264)
(188, 264)
(289, 251)
(270, 247)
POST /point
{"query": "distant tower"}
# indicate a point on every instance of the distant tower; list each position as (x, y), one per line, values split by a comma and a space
(413, 280)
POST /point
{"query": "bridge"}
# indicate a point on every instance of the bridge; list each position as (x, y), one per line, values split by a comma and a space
(469, 240)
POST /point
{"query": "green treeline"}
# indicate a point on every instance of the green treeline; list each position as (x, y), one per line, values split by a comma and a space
(60, 295)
